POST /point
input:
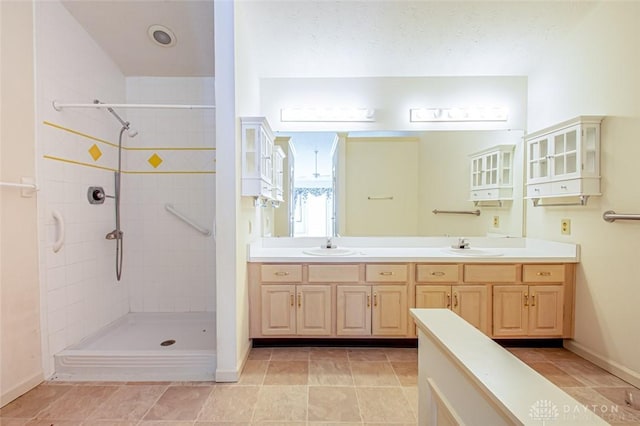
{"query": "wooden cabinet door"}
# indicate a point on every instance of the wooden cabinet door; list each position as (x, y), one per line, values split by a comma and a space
(546, 313)
(353, 315)
(510, 310)
(470, 302)
(433, 296)
(313, 310)
(278, 311)
(390, 310)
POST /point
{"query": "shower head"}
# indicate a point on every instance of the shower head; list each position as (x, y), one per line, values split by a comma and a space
(132, 132)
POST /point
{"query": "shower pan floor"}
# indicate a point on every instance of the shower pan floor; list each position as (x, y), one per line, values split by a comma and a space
(144, 347)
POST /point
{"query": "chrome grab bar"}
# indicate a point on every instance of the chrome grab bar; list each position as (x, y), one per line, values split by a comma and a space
(472, 212)
(204, 231)
(611, 216)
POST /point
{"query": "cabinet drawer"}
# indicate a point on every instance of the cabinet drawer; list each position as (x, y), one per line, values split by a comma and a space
(334, 274)
(490, 273)
(281, 273)
(437, 273)
(386, 273)
(538, 190)
(543, 273)
(566, 187)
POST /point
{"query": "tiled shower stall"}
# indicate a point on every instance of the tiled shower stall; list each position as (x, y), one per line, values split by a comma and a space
(168, 266)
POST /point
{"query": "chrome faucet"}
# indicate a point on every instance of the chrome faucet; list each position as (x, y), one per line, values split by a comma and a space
(329, 244)
(463, 243)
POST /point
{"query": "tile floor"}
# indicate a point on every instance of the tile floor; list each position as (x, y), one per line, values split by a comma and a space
(296, 386)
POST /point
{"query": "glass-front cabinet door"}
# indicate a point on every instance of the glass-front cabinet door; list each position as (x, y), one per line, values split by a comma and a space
(538, 160)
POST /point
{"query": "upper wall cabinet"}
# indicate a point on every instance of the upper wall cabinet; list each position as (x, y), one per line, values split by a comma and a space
(257, 157)
(492, 174)
(564, 160)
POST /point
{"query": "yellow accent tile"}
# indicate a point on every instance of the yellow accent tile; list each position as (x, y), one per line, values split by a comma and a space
(155, 160)
(95, 152)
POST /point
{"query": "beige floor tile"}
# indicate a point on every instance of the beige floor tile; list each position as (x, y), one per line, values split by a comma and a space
(373, 373)
(330, 403)
(281, 404)
(558, 354)
(367, 354)
(31, 403)
(165, 423)
(603, 407)
(411, 393)
(129, 403)
(13, 422)
(589, 374)
(78, 403)
(263, 354)
(555, 375)
(253, 372)
(230, 404)
(527, 354)
(334, 423)
(330, 372)
(54, 422)
(336, 354)
(179, 403)
(384, 405)
(199, 423)
(287, 373)
(402, 354)
(290, 354)
(109, 423)
(407, 372)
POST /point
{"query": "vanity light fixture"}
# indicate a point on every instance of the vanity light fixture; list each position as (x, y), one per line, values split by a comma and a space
(417, 115)
(327, 114)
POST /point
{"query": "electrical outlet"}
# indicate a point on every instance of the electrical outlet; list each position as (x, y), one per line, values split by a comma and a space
(496, 221)
(565, 226)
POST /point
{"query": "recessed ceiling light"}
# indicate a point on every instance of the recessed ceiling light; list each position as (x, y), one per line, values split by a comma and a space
(161, 35)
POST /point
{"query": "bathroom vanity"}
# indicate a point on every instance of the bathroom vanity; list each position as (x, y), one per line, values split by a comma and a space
(505, 287)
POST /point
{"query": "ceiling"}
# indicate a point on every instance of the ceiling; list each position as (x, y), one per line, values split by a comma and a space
(120, 28)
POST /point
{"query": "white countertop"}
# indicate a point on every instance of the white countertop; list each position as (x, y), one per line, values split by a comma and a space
(509, 382)
(414, 249)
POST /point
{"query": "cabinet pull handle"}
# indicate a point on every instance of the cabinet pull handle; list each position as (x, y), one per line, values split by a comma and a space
(291, 299)
(299, 300)
(533, 300)
(563, 186)
(455, 300)
(280, 274)
(448, 300)
(386, 273)
(544, 274)
(526, 299)
(375, 300)
(437, 274)
(368, 301)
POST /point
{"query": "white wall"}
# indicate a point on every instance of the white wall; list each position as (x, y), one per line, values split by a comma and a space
(20, 353)
(595, 71)
(169, 266)
(80, 290)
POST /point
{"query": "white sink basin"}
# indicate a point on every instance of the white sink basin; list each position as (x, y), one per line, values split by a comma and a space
(320, 251)
(473, 252)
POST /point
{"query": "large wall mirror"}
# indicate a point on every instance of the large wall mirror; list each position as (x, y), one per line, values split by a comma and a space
(389, 183)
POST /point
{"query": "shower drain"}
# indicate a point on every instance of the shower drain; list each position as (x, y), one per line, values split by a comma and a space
(168, 342)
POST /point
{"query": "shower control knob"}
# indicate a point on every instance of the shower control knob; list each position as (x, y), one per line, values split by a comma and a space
(96, 195)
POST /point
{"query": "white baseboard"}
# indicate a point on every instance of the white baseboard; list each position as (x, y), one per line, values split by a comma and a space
(9, 395)
(626, 374)
(228, 376)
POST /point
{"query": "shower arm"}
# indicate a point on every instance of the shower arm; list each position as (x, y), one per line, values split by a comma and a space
(124, 124)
